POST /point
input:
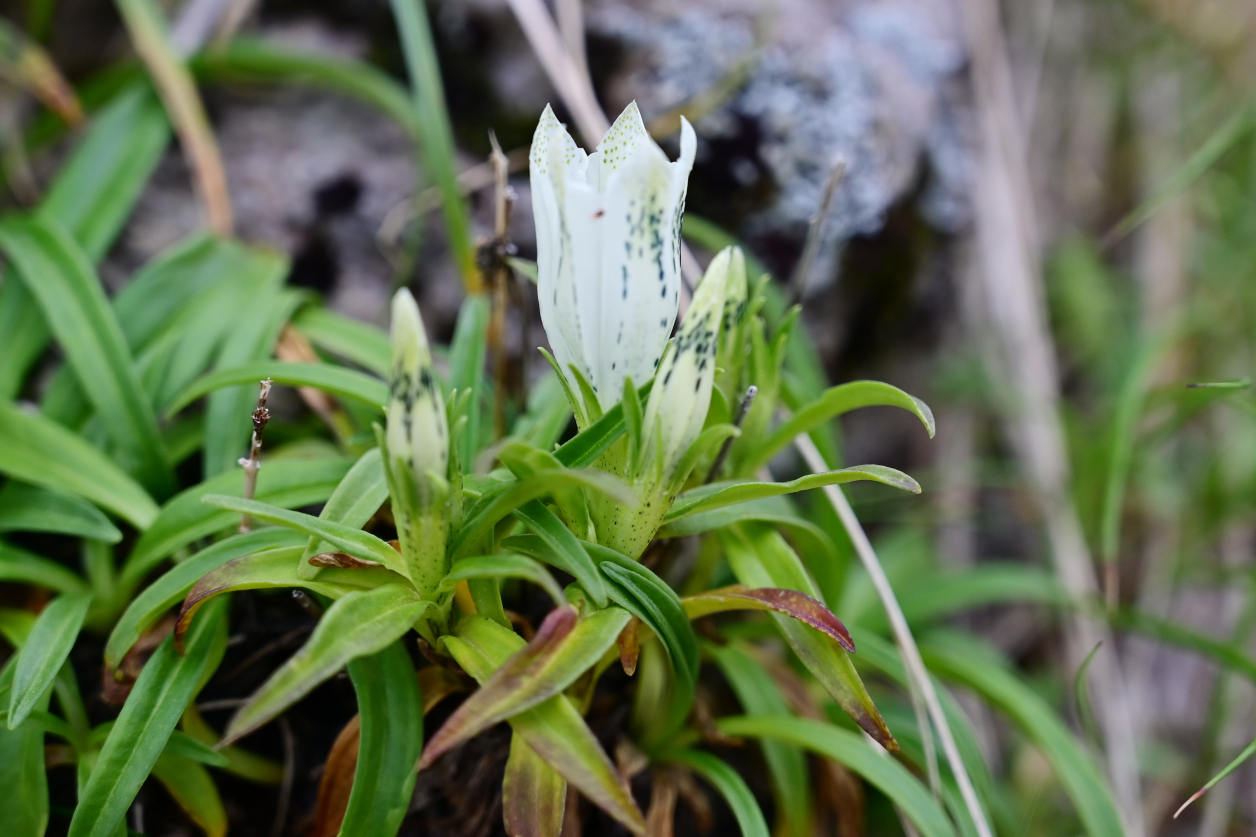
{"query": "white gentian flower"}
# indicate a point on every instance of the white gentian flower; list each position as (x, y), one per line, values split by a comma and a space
(608, 248)
(416, 427)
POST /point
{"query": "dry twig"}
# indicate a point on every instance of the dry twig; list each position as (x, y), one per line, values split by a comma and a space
(252, 463)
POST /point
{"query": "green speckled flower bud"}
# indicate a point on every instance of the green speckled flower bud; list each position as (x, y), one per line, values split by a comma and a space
(678, 404)
(416, 429)
(417, 438)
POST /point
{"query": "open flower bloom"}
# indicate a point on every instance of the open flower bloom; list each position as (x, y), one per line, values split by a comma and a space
(608, 248)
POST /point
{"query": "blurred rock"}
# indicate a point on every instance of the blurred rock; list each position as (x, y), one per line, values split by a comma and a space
(876, 84)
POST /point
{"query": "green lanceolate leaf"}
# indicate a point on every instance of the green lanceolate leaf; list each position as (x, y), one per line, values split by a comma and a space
(157, 598)
(651, 600)
(759, 558)
(390, 740)
(937, 595)
(357, 624)
(492, 508)
(848, 749)
(45, 651)
(758, 695)
(150, 301)
(466, 368)
(184, 519)
(276, 568)
(239, 762)
(565, 647)
(194, 791)
(585, 447)
(347, 539)
(731, 786)
(162, 692)
(19, 565)
(72, 300)
(527, 462)
(27, 508)
(834, 402)
(775, 510)
(254, 59)
(553, 729)
(504, 565)
(336, 380)
(719, 494)
(534, 795)
(23, 779)
(974, 665)
(91, 198)
(354, 502)
(345, 337)
(561, 549)
(35, 450)
(435, 132)
(800, 606)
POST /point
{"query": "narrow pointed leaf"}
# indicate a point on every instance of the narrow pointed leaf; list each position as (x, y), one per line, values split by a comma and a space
(359, 342)
(290, 483)
(487, 513)
(23, 778)
(185, 746)
(389, 743)
(792, 603)
(348, 539)
(562, 549)
(849, 749)
(276, 568)
(162, 692)
(167, 591)
(834, 402)
(787, 764)
(92, 197)
(504, 566)
(585, 447)
(466, 368)
(335, 380)
(354, 502)
(534, 795)
(27, 508)
(974, 665)
(356, 625)
(27, 567)
(60, 277)
(193, 789)
(39, 451)
(731, 786)
(718, 494)
(45, 651)
(564, 648)
(776, 510)
(553, 729)
(759, 558)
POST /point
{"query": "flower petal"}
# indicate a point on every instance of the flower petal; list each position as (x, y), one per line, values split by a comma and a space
(554, 154)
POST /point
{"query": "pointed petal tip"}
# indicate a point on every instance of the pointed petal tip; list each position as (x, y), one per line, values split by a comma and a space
(688, 144)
